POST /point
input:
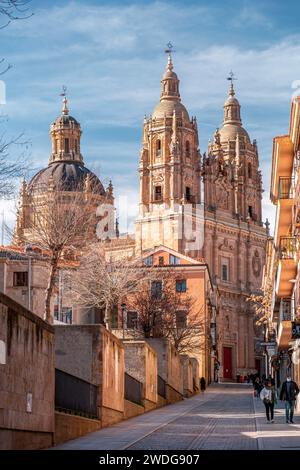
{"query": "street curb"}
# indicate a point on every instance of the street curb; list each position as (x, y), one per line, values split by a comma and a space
(260, 442)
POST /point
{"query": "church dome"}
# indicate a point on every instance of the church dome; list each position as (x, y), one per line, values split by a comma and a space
(170, 96)
(232, 125)
(66, 176)
(65, 120)
(66, 170)
(230, 131)
(167, 107)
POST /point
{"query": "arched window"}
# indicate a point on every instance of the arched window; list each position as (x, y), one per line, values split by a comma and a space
(158, 148)
(165, 87)
(187, 149)
(249, 170)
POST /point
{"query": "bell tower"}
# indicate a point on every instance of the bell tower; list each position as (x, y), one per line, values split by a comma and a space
(235, 238)
(169, 170)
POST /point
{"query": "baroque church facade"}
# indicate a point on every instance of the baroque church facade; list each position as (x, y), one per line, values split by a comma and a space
(206, 207)
(218, 196)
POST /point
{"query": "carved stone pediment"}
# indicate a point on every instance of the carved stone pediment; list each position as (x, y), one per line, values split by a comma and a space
(226, 245)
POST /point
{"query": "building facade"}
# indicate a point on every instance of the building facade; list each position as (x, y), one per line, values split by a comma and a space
(235, 238)
(207, 208)
(284, 259)
(189, 279)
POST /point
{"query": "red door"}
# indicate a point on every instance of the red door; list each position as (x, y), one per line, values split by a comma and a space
(227, 363)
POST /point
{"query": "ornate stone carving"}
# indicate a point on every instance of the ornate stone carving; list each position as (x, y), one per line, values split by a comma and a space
(256, 264)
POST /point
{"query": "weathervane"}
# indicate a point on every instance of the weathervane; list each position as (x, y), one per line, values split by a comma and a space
(231, 76)
(64, 91)
(169, 49)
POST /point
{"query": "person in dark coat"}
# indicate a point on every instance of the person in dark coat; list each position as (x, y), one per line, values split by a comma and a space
(202, 384)
(288, 394)
(257, 387)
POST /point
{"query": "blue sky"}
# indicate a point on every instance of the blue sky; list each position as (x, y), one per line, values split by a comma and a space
(110, 56)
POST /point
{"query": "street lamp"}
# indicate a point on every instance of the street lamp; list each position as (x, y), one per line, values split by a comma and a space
(123, 307)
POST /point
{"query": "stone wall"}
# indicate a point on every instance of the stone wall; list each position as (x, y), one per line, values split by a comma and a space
(195, 366)
(69, 426)
(188, 389)
(169, 366)
(93, 354)
(26, 378)
(141, 363)
(132, 409)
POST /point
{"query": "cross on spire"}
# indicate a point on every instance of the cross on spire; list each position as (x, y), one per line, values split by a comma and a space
(169, 49)
(231, 77)
(65, 109)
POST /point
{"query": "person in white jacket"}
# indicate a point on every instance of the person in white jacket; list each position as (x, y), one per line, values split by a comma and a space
(268, 396)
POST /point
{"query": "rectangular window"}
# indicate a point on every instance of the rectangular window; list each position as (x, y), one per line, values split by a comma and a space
(174, 259)
(224, 272)
(158, 193)
(67, 315)
(20, 279)
(181, 319)
(181, 285)
(67, 146)
(115, 317)
(250, 211)
(161, 261)
(131, 319)
(56, 146)
(148, 261)
(156, 289)
(188, 196)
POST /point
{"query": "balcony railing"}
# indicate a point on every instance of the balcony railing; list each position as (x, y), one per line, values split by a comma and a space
(288, 247)
(286, 310)
(286, 187)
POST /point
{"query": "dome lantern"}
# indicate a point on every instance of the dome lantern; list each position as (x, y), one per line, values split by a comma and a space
(65, 135)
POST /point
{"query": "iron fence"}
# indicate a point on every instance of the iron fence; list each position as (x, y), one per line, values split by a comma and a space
(75, 395)
(134, 390)
(161, 386)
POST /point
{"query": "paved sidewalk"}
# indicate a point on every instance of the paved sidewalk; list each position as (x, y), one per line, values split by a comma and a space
(277, 436)
(221, 418)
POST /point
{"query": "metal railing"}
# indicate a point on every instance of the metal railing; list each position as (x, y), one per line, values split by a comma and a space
(285, 310)
(74, 395)
(134, 390)
(161, 386)
(287, 247)
(285, 188)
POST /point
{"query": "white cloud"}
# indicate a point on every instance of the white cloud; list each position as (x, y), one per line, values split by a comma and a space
(110, 58)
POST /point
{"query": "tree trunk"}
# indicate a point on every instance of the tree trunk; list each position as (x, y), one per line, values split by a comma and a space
(49, 290)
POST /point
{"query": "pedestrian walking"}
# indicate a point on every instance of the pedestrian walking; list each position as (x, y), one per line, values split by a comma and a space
(257, 387)
(268, 396)
(202, 384)
(288, 394)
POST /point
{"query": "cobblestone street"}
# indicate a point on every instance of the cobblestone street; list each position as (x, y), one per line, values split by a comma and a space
(224, 418)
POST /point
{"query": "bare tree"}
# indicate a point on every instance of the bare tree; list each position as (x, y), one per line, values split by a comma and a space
(162, 311)
(14, 10)
(59, 225)
(10, 169)
(106, 283)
